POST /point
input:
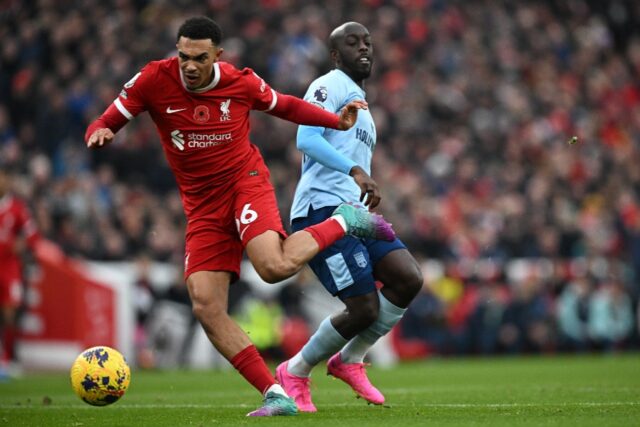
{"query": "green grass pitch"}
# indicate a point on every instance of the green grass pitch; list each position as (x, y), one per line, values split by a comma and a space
(534, 391)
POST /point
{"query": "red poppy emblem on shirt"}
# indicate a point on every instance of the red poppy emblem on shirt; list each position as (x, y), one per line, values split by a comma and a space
(201, 114)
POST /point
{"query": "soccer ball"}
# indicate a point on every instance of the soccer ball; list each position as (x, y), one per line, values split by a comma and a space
(100, 375)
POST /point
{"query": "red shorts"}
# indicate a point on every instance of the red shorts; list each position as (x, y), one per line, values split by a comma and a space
(246, 209)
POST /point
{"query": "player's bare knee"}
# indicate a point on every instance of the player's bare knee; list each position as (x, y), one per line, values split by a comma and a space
(203, 310)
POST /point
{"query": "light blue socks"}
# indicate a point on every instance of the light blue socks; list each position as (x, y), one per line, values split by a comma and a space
(357, 348)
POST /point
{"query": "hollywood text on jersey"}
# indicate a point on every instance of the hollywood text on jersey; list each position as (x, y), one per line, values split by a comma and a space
(364, 136)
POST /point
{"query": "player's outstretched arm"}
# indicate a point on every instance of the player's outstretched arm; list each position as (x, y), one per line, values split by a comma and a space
(302, 112)
(100, 137)
(102, 130)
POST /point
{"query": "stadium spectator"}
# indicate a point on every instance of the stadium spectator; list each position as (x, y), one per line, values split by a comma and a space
(474, 122)
(572, 312)
(144, 296)
(610, 316)
(526, 320)
(426, 320)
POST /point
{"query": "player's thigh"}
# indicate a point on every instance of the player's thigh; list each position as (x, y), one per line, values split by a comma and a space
(255, 210)
(212, 244)
(344, 268)
(397, 266)
(397, 269)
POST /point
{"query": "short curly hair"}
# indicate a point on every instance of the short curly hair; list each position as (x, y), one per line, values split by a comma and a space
(200, 28)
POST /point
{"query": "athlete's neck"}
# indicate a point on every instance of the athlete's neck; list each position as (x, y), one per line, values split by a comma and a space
(356, 80)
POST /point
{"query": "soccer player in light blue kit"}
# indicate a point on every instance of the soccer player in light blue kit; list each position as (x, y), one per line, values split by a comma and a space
(336, 169)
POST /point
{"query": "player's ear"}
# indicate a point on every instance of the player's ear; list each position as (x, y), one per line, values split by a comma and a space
(218, 52)
(335, 57)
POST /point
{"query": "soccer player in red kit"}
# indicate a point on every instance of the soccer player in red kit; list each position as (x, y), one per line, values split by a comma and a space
(15, 224)
(201, 109)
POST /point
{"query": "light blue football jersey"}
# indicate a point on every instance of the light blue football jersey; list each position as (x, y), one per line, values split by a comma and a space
(320, 186)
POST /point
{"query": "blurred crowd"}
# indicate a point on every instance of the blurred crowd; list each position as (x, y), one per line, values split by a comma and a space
(474, 104)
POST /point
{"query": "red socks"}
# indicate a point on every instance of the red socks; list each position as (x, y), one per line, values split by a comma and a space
(8, 343)
(326, 233)
(252, 367)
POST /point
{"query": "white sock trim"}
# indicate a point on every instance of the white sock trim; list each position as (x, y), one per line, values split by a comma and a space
(389, 307)
(298, 366)
(341, 221)
(276, 388)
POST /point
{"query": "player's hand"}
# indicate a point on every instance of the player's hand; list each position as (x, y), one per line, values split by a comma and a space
(100, 137)
(349, 114)
(370, 193)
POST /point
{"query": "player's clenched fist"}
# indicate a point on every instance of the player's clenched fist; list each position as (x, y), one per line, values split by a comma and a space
(349, 114)
(100, 137)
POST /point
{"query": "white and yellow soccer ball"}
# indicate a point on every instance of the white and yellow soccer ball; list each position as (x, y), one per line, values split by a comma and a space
(100, 375)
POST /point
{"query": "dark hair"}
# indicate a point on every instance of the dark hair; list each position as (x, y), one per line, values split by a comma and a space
(200, 28)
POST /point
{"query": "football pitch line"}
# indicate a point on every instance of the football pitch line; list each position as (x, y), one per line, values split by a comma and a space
(343, 405)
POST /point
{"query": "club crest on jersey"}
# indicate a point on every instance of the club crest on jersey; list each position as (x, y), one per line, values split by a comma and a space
(360, 259)
(201, 114)
(225, 114)
(321, 94)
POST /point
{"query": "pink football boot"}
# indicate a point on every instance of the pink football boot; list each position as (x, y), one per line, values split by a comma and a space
(355, 375)
(296, 387)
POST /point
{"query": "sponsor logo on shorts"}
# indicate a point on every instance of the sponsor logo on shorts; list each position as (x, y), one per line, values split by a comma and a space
(198, 140)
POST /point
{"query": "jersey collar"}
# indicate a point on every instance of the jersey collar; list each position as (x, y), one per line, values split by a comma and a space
(344, 76)
(214, 82)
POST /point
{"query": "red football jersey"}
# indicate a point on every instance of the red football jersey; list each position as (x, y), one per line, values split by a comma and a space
(15, 221)
(204, 133)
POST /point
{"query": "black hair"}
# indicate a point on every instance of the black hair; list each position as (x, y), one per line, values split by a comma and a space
(201, 28)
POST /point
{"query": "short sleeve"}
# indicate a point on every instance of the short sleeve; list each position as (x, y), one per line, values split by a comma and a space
(261, 96)
(132, 99)
(325, 95)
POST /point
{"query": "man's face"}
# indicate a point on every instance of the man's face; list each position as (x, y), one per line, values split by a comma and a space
(196, 61)
(354, 52)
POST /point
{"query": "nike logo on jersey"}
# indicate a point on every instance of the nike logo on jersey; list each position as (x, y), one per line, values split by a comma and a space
(171, 111)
